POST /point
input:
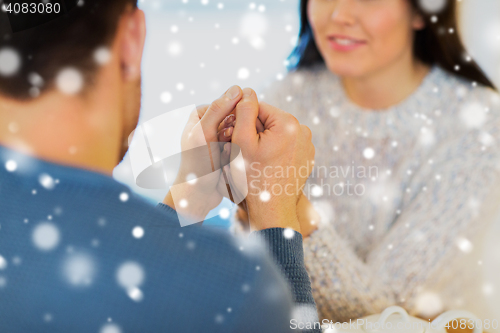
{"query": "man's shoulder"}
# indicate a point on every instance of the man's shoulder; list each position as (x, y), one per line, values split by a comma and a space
(78, 237)
(88, 210)
(81, 203)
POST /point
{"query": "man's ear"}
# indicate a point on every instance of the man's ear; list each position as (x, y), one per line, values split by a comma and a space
(418, 21)
(132, 35)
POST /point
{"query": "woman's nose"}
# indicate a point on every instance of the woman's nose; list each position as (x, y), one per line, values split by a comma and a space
(343, 12)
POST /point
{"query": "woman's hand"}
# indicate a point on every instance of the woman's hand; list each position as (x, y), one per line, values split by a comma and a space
(201, 159)
(309, 218)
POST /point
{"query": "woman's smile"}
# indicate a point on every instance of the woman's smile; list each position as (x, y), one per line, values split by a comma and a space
(344, 43)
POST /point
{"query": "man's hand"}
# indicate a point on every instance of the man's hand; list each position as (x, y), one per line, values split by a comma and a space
(196, 198)
(278, 161)
(308, 217)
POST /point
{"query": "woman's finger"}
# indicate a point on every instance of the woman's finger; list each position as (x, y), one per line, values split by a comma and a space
(218, 111)
(225, 154)
(230, 120)
(227, 122)
(225, 135)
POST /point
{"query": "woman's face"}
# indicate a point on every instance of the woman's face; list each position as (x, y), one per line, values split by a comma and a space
(358, 37)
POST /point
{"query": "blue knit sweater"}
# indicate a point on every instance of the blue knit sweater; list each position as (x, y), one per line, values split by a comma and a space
(80, 253)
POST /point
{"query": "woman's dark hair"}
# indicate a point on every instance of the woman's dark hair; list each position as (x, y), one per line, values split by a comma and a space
(432, 45)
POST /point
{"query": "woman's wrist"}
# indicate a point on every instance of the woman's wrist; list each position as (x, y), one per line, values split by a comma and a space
(309, 218)
(188, 202)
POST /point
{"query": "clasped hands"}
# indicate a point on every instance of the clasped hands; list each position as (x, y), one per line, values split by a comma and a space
(269, 138)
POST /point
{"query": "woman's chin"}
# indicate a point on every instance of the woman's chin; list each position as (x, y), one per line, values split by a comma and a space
(345, 69)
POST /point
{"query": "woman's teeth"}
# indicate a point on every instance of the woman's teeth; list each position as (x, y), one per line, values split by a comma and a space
(342, 41)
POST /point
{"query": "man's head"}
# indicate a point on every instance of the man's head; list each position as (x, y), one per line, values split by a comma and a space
(85, 61)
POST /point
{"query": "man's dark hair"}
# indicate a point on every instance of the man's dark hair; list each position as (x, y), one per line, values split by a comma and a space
(69, 40)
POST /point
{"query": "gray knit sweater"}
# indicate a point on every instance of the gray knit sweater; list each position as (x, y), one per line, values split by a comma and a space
(402, 193)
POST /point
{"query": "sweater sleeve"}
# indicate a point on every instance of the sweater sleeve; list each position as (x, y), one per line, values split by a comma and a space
(172, 219)
(287, 253)
(440, 215)
(171, 215)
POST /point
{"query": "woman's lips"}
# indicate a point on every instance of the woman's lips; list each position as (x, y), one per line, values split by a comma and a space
(344, 44)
